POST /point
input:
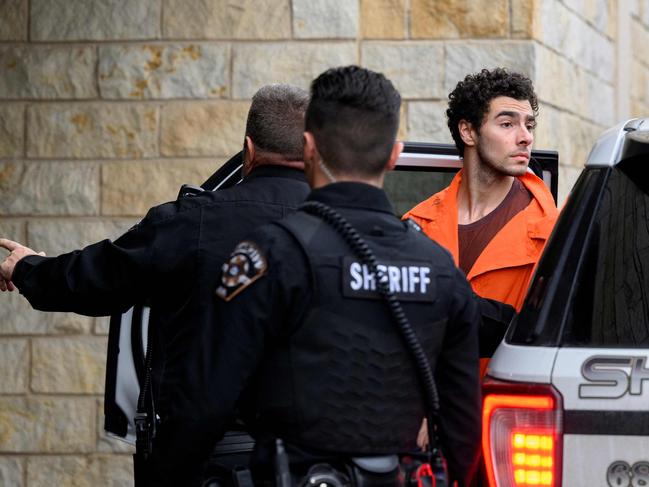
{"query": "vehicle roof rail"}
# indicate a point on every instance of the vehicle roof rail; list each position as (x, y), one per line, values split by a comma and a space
(607, 151)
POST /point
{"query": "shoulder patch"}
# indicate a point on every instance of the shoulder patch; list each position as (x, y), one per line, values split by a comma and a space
(246, 264)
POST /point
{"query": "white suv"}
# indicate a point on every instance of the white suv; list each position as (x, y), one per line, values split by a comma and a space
(566, 399)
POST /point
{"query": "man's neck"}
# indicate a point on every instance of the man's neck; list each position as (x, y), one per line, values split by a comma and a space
(322, 176)
(480, 192)
(271, 160)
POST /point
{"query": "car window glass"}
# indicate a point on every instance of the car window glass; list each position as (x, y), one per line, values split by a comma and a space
(540, 319)
(409, 187)
(611, 296)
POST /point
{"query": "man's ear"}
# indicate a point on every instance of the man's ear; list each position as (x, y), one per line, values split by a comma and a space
(248, 155)
(310, 150)
(394, 155)
(467, 133)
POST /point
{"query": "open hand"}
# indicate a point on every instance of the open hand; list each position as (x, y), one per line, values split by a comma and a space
(16, 252)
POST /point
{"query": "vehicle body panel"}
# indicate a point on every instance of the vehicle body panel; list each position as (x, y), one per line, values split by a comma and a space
(589, 460)
(533, 364)
(611, 384)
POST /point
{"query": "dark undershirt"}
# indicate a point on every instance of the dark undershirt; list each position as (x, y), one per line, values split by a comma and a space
(474, 237)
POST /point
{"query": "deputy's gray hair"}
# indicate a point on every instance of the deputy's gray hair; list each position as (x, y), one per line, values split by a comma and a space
(276, 120)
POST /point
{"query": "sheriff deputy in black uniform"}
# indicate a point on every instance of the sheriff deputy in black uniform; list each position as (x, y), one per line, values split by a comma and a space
(173, 259)
(305, 345)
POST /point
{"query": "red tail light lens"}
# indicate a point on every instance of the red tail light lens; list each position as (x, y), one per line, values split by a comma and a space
(521, 434)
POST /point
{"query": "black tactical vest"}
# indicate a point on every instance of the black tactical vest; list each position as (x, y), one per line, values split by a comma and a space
(344, 381)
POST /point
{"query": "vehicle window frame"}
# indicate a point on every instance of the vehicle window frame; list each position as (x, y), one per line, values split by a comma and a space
(601, 277)
(540, 321)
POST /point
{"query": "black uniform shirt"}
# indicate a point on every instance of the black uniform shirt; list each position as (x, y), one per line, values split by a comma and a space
(268, 301)
(173, 259)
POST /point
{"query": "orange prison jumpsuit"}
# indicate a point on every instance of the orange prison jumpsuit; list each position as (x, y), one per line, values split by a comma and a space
(504, 268)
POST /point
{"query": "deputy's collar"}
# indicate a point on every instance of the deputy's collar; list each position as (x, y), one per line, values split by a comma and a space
(275, 170)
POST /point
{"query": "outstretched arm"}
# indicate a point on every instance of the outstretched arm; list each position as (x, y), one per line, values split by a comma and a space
(16, 252)
(107, 277)
(496, 317)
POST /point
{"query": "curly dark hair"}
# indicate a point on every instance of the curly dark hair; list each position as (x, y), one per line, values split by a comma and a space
(354, 117)
(471, 98)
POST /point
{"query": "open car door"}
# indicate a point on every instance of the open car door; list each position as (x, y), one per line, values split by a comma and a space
(422, 170)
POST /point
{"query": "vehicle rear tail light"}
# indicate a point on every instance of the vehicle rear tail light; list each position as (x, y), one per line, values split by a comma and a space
(521, 434)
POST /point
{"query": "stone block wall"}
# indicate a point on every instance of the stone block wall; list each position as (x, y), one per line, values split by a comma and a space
(639, 75)
(107, 106)
(576, 67)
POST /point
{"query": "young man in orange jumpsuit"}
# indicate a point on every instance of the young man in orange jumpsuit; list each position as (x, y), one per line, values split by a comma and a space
(495, 216)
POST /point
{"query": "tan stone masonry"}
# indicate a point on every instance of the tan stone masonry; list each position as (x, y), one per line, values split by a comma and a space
(106, 107)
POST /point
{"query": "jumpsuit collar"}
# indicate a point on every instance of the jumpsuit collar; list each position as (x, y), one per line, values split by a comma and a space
(531, 224)
(353, 195)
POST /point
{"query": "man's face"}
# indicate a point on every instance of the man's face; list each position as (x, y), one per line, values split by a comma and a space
(504, 142)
